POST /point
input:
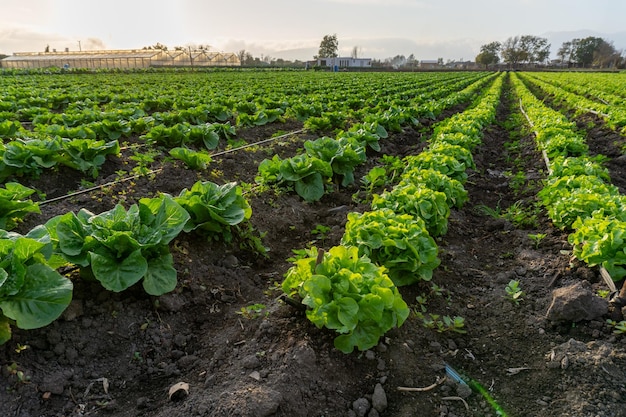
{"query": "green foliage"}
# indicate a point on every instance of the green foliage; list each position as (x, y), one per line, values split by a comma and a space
(443, 324)
(601, 241)
(32, 156)
(214, 209)
(446, 164)
(307, 174)
(537, 238)
(32, 293)
(13, 206)
(253, 311)
(9, 128)
(180, 134)
(329, 46)
(193, 159)
(456, 194)
(343, 154)
(87, 155)
(368, 134)
(28, 156)
(582, 165)
(399, 242)
(347, 293)
(618, 327)
(568, 198)
(429, 205)
(122, 247)
(514, 292)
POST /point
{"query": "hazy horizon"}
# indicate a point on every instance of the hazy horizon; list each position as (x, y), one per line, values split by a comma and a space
(428, 29)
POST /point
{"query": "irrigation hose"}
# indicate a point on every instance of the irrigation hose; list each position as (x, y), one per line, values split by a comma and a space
(476, 387)
(98, 187)
(155, 171)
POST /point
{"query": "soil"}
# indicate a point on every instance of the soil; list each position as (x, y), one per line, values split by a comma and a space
(119, 354)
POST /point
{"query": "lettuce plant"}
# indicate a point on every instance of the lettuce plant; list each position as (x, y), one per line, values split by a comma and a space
(28, 156)
(32, 293)
(87, 155)
(13, 206)
(214, 208)
(601, 241)
(193, 159)
(399, 242)
(415, 200)
(343, 154)
(456, 194)
(347, 293)
(446, 164)
(307, 173)
(121, 247)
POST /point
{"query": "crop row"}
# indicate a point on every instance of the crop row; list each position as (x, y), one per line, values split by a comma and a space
(352, 288)
(578, 194)
(613, 112)
(76, 117)
(327, 158)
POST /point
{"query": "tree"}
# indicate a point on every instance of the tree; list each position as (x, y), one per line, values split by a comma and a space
(489, 54)
(565, 52)
(329, 47)
(355, 52)
(537, 49)
(526, 48)
(594, 51)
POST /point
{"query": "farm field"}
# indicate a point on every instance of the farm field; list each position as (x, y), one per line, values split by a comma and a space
(312, 153)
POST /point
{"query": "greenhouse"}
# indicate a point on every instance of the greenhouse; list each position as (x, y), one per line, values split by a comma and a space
(138, 58)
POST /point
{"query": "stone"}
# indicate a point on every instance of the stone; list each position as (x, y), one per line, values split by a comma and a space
(379, 399)
(575, 303)
(361, 407)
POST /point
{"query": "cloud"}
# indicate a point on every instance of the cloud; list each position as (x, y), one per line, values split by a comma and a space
(24, 39)
(404, 3)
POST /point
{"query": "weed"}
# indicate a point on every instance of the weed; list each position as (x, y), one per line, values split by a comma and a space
(253, 311)
(537, 238)
(513, 292)
(443, 324)
(618, 327)
(321, 232)
(22, 378)
(484, 210)
(520, 216)
(517, 181)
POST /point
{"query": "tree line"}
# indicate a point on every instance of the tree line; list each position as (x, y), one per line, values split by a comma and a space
(516, 51)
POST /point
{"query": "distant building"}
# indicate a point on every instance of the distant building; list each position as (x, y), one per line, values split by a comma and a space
(132, 58)
(429, 64)
(462, 65)
(343, 62)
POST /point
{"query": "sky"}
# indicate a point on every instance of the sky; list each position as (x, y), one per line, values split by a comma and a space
(293, 29)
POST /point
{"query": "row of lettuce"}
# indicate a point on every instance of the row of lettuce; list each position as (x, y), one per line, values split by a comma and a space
(353, 288)
(77, 126)
(611, 108)
(578, 194)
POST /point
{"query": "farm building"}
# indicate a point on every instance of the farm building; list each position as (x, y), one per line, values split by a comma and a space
(429, 64)
(343, 62)
(133, 58)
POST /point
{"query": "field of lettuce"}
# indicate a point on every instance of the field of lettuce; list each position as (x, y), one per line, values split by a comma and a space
(260, 243)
